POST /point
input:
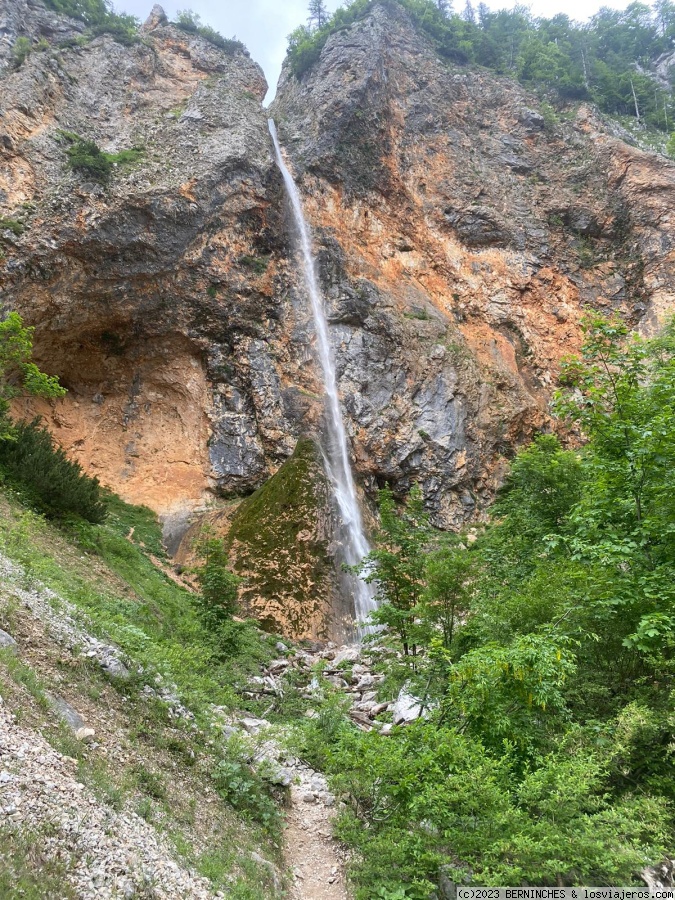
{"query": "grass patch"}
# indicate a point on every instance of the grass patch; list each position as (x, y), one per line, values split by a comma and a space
(104, 571)
(153, 619)
(17, 228)
(257, 264)
(417, 313)
(27, 871)
(150, 783)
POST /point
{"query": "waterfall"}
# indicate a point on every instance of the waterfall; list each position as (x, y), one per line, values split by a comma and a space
(336, 454)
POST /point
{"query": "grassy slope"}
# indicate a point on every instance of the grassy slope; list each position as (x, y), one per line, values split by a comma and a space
(149, 762)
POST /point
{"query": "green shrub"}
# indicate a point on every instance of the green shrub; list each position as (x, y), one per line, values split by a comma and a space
(550, 117)
(189, 21)
(216, 602)
(98, 16)
(257, 264)
(17, 228)
(429, 799)
(87, 158)
(123, 28)
(244, 787)
(46, 477)
(20, 51)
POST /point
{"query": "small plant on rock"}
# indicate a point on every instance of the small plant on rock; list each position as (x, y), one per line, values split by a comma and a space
(20, 51)
(86, 158)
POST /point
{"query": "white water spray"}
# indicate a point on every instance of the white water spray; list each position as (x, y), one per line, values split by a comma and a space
(353, 538)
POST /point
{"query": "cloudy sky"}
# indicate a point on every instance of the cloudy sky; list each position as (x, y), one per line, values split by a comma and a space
(263, 25)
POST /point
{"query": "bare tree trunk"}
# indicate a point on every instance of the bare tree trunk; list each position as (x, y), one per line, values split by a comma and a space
(585, 67)
(637, 108)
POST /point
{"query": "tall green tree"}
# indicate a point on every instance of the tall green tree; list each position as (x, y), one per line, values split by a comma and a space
(621, 392)
(396, 565)
(318, 14)
(469, 13)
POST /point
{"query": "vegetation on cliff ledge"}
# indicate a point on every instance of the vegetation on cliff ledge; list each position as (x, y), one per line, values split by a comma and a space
(86, 158)
(100, 18)
(189, 21)
(276, 540)
(609, 61)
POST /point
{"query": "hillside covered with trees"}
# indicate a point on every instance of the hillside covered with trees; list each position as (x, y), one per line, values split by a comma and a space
(613, 60)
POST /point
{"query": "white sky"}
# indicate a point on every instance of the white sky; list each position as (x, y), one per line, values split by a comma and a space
(263, 25)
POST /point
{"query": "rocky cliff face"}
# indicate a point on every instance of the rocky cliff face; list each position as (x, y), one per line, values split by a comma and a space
(151, 295)
(460, 236)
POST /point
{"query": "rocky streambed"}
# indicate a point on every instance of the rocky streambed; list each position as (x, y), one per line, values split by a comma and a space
(350, 669)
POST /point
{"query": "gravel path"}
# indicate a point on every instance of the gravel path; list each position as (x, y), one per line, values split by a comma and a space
(112, 855)
(311, 852)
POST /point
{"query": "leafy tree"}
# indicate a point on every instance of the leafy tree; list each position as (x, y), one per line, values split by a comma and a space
(18, 374)
(546, 653)
(542, 487)
(448, 577)
(664, 12)
(29, 459)
(503, 693)
(217, 601)
(609, 61)
(469, 13)
(396, 565)
(622, 394)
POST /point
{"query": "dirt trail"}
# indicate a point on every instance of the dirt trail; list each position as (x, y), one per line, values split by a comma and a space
(311, 852)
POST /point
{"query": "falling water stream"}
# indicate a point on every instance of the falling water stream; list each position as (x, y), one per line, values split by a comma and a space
(353, 539)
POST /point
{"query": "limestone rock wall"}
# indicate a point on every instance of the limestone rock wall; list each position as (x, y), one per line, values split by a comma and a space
(152, 295)
(460, 236)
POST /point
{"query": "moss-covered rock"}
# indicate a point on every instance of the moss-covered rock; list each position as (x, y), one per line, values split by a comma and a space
(279, 540)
